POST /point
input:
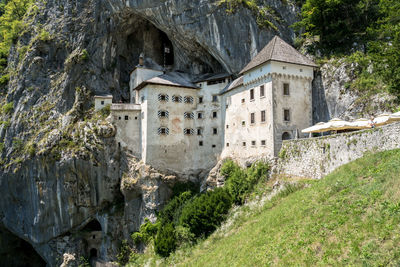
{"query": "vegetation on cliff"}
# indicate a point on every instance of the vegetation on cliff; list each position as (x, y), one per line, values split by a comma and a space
(351, 217)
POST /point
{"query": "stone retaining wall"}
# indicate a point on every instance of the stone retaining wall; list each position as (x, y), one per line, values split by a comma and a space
(316, 157)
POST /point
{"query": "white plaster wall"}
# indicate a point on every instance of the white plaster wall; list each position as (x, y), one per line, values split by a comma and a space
(257, 72)
(292, 69)
(97, 102)
(128, 131)
(299, 102)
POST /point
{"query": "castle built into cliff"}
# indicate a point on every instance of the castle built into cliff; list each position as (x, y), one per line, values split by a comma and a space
(185, 125)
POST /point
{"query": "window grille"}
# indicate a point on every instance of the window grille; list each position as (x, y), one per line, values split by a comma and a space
(188, 99)
(163, 131)
(188, 131)
(177, 98)
(188, 115)
(163, 114)
(163, 97)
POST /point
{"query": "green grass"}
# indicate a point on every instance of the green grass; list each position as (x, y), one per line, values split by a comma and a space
(351, 217)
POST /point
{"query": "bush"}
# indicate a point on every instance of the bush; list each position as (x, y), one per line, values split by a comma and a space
(146, 232)
(204, 213)
(8, 108)
(165, 241)
(124, 253)
(84, 56)
(104, 112)
(172, 211)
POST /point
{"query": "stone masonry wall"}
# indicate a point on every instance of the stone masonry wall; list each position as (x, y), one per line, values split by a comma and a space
(317, 157)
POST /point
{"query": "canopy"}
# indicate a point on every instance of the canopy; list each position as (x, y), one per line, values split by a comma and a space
(361, 124)
(382, 119)
(395, 117)
(317, 128)
(337, 124)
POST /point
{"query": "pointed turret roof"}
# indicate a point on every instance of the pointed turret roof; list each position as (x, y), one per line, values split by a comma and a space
(278, 50)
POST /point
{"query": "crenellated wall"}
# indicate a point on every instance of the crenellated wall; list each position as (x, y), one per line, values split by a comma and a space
(317, 157)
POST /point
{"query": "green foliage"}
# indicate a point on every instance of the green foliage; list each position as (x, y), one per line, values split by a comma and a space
(239, 183)
(31, 150)
(172, 211)
(147, 232)
(181, 187)
(124, 254)
(8, 108)
(4, 79)
(84, 262)
(204, 213)
(1, 147)
(18, 144)
(165, 241)
(104, 112)
(44, 35)
(84, 55)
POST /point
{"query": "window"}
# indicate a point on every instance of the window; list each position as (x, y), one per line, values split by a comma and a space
(119, 118)
(135, 118)
(227, 126)
(199, 131)
(188, 115)
(263, 142)
(163, 131)
(188, 131)
(214, 98)
(215, 131)
(213, 146)
(286, 136)
(243, 123)
(161, 97)
(252, 118)
(262, 115)
(251, 94)
(200, 99)
(188, 99)
(126, 117)
(284, 67)
(142, 99)
(177, 98)
(102, 102)
(253, 143)
(301, 70)
(286, 115)
(200, 143)
(214, 114)
(243, 143)
(243, 100)
(163, 114)
(227, 144)
(286, 89)
(262, 91)
(200, 115)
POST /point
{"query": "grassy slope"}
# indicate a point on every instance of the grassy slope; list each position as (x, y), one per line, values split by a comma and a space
(351, 217)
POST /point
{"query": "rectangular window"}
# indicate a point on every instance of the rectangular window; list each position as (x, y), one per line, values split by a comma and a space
(102, 102)
(163, 98)
(227, 144)
(262, 115)
(227, 126)
(199, 131)
(253, 143)
(243, 143)
(213, 146)
(214, 98)
(215, 131)
(119, 118)
(252, 118)
(263, 142)
(200, 115)
(126, 118)
(243, 100)
(286, 115)
(200, 143)
(262, 91)
(251, 94)
(200, 99)
(243, 123)
(286, 89)
(214, 114)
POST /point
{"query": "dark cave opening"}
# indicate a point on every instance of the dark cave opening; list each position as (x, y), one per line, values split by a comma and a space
(15, 251)
(93, 225)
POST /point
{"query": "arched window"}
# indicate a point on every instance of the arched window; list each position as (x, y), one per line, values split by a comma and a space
(286, 136)
(177, 98)
(163, 114)
(188, 99)
(188, 115)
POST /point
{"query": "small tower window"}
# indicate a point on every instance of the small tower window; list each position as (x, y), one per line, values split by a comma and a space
(215, 131)
(214, 114)
(243, 143)
(199, 131)
(213, 146)
(126, 117)
(188, 131)
(262, 91)
(243, 100)
(163, 131)
(200, 115)
(200, 99)
(188, 115)
(252, 118)
(286, 90)
(227, 144)
(243, 123)
(102, 102)
(200, 143)
(163, 114)
(262, 142)
(227, 126)
(286, 115)
(262, 115)
(251, 94)
(214, 98)
(163, 97)
(253, 143)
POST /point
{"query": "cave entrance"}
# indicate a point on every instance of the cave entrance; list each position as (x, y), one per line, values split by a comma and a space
(93, 225)
(92, 234)
(15, 251)
(93, 253)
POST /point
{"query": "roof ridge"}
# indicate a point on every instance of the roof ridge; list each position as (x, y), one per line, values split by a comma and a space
(273, 46)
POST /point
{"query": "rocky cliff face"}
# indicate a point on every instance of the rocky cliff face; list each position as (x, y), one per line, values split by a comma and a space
(60, 167)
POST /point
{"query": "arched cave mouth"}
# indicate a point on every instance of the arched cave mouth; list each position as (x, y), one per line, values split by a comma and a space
(15, 251)
(93, 225)
(134, 35)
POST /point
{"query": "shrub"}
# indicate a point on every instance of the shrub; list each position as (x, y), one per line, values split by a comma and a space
(124, 253)
(165, 241)
(228, 168)
(172, 211)
(204, 213)
(4, 79)
(147, 231)
(84, 55)
(8, 108)
(104, 112)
